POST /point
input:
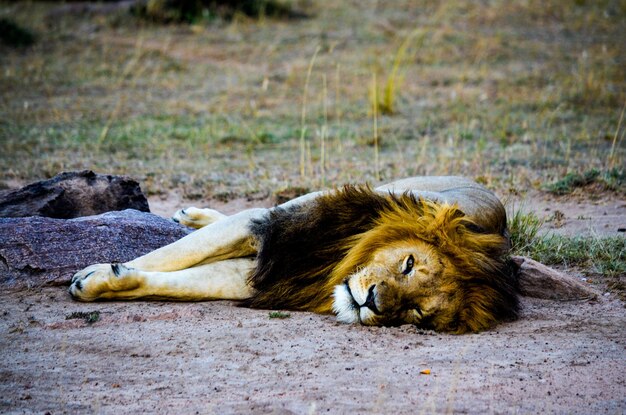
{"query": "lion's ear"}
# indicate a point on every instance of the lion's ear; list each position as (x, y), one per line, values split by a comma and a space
(449, 226)
(458, 221)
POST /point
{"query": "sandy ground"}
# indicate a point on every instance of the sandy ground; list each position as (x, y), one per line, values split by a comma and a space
(577, 214)
(213, 357)
(216, 358)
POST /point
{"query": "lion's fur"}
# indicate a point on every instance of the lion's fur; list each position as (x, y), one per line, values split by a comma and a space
(306, 250)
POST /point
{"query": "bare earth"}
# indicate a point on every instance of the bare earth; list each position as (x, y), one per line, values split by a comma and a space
(214, 357)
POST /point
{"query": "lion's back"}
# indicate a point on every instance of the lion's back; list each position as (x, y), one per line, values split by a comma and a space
(475, 200)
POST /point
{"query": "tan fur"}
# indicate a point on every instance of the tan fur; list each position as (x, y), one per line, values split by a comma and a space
(436, 233)
(344, 251)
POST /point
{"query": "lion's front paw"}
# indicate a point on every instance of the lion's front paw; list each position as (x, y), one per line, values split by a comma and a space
(103, 281)
(197, 218)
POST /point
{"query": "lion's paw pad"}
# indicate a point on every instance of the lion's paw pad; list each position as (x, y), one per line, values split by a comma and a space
(196, 218)
(97, 280)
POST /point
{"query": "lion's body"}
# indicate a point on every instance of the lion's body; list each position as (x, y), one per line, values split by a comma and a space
(427, 251)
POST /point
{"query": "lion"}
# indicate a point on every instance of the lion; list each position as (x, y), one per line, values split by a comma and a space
(427, 251)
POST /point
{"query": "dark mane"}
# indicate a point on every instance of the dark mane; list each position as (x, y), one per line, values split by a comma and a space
(305, 251)
(299, 246)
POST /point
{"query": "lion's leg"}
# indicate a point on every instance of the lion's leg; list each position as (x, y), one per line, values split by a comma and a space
(197, 218)
(224, 239)
(223, 280)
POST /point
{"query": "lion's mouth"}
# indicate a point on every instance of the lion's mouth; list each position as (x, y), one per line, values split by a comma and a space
(348, 309)
(344, 305)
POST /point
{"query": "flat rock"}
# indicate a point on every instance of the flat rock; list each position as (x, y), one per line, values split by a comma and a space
(38, 251)
(72, 195)
(540, 281)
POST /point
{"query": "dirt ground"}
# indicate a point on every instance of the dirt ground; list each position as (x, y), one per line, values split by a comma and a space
(577, 214)
(214, 357)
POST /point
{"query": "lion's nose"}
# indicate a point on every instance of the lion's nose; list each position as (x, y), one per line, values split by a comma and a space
(370, 301)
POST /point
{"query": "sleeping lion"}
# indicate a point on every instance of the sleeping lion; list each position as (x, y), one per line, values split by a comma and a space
(429, 251)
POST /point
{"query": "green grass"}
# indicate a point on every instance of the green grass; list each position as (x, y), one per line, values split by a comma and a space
(524, 231)
(613, 179)
(605, 256)
(573, 180)
(515, 94)
(89, 317)
(279, 315)
(596, 257)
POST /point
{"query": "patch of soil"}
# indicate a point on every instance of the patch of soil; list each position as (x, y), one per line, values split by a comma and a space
(573, 215)
(214, 357)
(166, 204)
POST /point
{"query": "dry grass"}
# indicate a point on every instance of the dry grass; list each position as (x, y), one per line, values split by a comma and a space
(515, 94)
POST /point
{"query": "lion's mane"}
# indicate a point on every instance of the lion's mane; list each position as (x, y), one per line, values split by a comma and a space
(306, 250)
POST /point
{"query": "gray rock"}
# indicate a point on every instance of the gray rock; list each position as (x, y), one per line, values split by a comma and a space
(72, 195)
(540, 281)
(37, 251)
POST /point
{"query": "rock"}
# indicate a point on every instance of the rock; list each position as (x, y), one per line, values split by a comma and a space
(72, 195)
(539, 281)
(37, 251)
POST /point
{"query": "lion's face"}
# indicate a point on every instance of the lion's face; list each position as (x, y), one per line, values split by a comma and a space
(404, 282)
